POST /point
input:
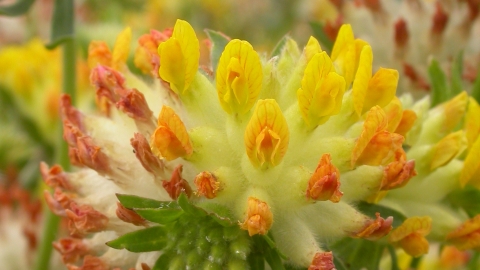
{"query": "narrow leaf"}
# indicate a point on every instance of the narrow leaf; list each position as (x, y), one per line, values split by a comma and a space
(158, 215)
(370, 210)
(189, 208)
(62, 23)
(136, 202)
(150, 239)
(279, 47)
(393, 256)
(439, 83)
(219, 41)
(18, 8)
(457, 73)
(256, 261)
(320, 34)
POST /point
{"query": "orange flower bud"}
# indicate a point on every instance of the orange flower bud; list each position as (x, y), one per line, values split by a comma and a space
(322, 261)
(324, 183)
(259, 217)
(207, 185)
(375, 229)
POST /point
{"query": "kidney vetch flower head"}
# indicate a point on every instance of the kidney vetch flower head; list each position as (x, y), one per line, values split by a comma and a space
(263, 157)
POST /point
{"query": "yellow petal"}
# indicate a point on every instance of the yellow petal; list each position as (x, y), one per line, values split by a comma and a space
(322, 91)
(471, 164)
(239, 77)
(121, 49)
(99, 54)
(313, 47)
(266, 135)
(170, 140)
(394, 114)
(381, 88)
(344, 39)
(472, 121)
(179, 57)
(375, 122)
(411, 235)
(455, 110)
(447, 148)
(362, 79)
(406, 123)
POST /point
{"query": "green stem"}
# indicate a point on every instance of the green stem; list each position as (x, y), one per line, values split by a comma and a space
(51, 220)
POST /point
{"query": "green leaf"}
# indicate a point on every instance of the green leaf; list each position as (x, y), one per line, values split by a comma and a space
(370, 210)
(476, 88)
(439, 83)
(279, 46)
(150, 239)
(18, 8)
(163, 262)
(62, 23)
(219, 41)
(322, 37)
(136, 202)
(467, 199)
(358, 253)
(158, 215)
(271, 255)
(457, 76)
(189, 208)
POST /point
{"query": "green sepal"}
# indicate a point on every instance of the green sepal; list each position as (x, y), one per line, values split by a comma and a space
(277, 50)
(136, 202)
(159, 215)
(467, 199)
(150, 239)
(219, 213)
(190, 208)
(62, 23)
(358, 253)
(456, 81)
(18, 8)
(322, 37)
(370, 210)
(439, 83)
(219, 41)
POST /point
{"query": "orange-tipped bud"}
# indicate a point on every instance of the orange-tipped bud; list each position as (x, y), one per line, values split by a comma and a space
(259, 217)
(129, 215)
(177, 184)
(106, 82)
(71, 249)
(55, 176)
(398, 172)
(322, 261)
(144, 154)
(84, 219)
(133, 103)
(467, 236)
(207, 185)
(411, 235)
(375, 229)
(324, 184)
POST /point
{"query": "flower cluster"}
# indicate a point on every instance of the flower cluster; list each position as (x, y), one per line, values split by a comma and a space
(258, 150)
